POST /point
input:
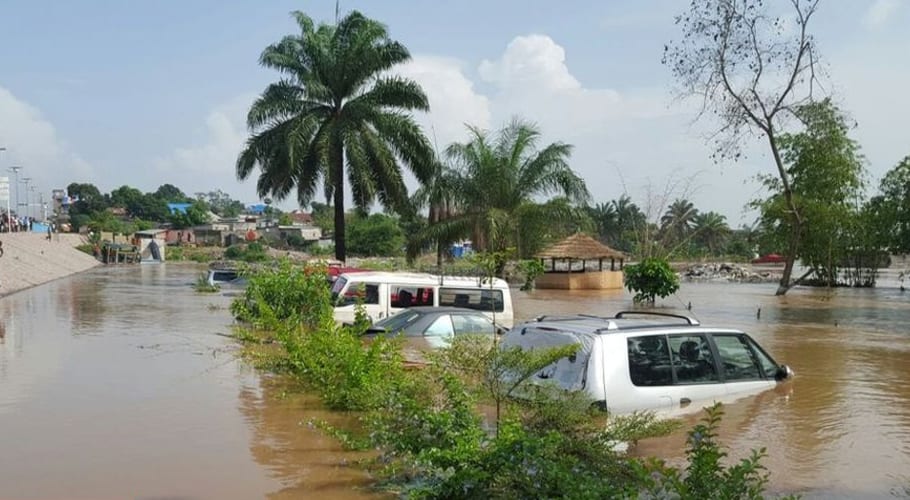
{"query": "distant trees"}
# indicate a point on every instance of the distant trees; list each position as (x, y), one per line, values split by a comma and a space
(891, 208)
(374, 235)
(492, 186)
(92, 208)
(221, 203)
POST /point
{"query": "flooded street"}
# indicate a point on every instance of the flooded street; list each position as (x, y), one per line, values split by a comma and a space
(116, 384)
(119, 383)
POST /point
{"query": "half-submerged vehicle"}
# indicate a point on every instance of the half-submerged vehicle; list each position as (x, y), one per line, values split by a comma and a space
(638, 361)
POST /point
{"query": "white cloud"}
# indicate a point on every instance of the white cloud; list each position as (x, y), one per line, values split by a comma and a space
(880, 12)
(209, 164)
(32, 142)
(530, 62)
(624, 140)
(453, 100)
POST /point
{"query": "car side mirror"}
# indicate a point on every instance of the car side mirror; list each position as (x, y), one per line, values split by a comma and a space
(783, 372)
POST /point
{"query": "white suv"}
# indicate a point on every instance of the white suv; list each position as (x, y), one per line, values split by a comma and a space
(657, 361)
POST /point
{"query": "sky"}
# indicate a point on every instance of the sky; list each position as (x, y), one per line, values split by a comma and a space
(146, 93)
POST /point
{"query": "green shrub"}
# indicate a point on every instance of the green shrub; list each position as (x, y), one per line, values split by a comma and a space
(202, 285)
(234, 252)
(651, 278)
(531, 269)
(285, 297)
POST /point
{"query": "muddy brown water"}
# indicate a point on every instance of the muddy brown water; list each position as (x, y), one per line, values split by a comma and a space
(118, 383)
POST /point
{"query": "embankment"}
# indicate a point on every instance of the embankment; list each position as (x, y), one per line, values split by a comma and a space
(29, 259)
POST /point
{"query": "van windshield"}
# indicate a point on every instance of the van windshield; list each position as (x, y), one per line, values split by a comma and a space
(337, 287)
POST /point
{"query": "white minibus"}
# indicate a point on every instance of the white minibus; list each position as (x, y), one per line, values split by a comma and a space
(386, 293)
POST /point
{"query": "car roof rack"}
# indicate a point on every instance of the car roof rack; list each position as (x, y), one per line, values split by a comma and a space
(688, 319)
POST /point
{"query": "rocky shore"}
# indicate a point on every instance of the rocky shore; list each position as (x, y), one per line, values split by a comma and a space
(738, 273)
(29, 259)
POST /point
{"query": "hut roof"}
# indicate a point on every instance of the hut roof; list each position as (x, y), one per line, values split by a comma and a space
(580, 247)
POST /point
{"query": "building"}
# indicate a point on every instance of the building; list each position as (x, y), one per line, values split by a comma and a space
(577, 263)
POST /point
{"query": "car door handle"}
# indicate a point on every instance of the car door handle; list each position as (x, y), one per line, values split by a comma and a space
(684, 402)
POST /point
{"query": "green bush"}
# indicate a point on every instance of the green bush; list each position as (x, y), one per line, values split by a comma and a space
(531, 269)
(285, 297)
(651, 278)
(251, 252)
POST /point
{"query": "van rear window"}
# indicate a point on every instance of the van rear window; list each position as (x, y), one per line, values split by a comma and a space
(472, 298)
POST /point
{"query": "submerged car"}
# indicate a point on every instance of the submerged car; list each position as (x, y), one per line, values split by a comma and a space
(434, 325)
(425, 328)
(649, 361)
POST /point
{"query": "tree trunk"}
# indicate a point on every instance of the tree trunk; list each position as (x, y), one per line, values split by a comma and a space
(338, 181)
(796, 222)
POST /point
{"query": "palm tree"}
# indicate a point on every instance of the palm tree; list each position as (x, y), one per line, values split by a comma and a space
(678, 219)
(606, 222)
(336, 111)
(711, 230)
(438, 196)
(495, 178)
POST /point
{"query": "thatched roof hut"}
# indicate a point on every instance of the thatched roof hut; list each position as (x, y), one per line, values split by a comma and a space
(580, 246)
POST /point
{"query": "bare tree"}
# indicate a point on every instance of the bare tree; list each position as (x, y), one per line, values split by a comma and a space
(751, 69)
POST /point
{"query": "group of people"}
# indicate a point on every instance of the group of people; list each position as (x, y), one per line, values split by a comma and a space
(15, 224)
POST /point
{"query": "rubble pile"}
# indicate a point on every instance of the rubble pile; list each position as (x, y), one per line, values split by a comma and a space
(729, 272)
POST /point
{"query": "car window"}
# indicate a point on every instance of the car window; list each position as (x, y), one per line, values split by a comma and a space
(367, 292)
(466, 323)
(472, 298)
(692, 359)
(398, 322)
(442, 327)
(768, 366)
(649, 361)
(738, 360)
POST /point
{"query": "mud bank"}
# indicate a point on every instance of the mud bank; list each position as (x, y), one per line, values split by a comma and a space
(29, 259)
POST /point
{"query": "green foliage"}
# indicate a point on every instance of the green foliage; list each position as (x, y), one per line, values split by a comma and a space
(705, 475)
(221, 203)
(617, 222)
(202, 284)
(651, 278)
(489, 193)
(337, 113)
(249, 252)
(377, 235)
(890, 211)
(826, 170)
(194, 215)
(170, 193)
(531, 269)
(285, 296)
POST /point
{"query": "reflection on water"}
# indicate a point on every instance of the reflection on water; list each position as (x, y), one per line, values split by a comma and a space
(116, 384)
(842, 426)
(308, 462)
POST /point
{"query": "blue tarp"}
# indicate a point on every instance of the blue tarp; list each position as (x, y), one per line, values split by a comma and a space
(178, 207)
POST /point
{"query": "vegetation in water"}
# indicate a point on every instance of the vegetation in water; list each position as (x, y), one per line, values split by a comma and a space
(428, 425)
(651, 278)
(202, 285)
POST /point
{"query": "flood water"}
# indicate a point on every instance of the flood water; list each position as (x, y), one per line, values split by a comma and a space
(119, 383)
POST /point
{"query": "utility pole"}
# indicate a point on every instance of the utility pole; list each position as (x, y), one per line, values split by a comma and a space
(25, 180)
(15, 171)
